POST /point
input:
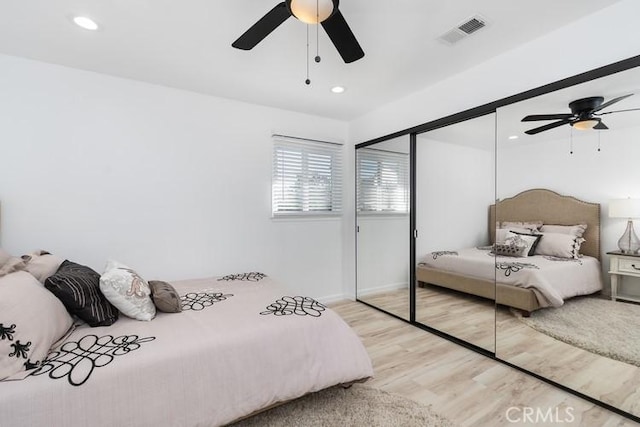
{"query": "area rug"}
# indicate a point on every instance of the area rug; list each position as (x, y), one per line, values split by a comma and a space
(356, 406)
(605, 327)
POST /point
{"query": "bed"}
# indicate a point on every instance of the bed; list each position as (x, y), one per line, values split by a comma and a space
(241, 344)
(502, 282)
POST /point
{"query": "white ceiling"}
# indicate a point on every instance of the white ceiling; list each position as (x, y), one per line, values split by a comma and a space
(186, 44)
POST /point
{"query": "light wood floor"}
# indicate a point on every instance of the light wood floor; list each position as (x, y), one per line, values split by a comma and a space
(605, 379)
(468, 388)
(467, 317)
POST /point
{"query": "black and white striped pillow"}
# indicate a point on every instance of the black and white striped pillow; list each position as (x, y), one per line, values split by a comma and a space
(78, 287)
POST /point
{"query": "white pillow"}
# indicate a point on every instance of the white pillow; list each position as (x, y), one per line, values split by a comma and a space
(125, 289)
(559, 245)
(574, 230)
(42, 264)
(32, 319)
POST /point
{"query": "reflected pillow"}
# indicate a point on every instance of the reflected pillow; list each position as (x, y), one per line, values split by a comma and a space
(530, 241)
(511, 249)
(529, 225)
(574, 230)
(559, 245)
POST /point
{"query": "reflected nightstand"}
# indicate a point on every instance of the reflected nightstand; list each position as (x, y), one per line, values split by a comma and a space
(623, 265)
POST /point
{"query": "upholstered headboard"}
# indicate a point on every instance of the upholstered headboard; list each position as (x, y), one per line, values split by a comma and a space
(551, 208)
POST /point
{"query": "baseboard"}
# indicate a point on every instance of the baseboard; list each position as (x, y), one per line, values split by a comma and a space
(330, 299)
(379, 289)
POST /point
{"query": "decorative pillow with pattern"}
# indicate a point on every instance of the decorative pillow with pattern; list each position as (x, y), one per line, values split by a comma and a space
(528, 240)
(165, 297)
(511, 249)
(42, 265)
(559, 245)
(32, 319)
(78, 287)
(126, 290)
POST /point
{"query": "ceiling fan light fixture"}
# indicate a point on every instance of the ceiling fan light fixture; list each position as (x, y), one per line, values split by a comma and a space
(312, 11)
(586, 124)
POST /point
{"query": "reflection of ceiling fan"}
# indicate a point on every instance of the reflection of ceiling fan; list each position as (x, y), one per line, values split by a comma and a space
(324, 12)
(584, 115)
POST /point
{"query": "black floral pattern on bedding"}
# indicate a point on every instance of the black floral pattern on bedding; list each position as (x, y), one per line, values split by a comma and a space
(76, 360)
(514, 267)
(298, 305)
(18, 349)
(198, 301)
(560, 259)
(437, 254)
(244, 277)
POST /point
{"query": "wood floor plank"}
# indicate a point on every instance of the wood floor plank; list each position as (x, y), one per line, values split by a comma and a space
(470, 389)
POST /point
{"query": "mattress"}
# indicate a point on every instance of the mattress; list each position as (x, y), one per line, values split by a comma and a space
(552, 279)
(241, 344)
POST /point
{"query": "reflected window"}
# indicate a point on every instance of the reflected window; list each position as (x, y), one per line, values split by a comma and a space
(383, 181)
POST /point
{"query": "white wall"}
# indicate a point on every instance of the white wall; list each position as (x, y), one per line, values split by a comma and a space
(175, 184)
(455, 187)
(539, 62)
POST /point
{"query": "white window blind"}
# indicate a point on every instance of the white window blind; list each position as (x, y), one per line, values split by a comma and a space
(382, 181)
(307, 177)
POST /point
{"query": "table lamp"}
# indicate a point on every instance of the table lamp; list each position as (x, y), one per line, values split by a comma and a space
(626, 208)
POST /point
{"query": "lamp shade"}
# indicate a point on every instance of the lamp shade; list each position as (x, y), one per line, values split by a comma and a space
(624, 208)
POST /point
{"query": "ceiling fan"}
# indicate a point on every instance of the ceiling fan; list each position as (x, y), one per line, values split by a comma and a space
(324, 12)
(584, 115)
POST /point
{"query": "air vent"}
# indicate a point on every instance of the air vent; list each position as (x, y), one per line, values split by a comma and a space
(466, 28)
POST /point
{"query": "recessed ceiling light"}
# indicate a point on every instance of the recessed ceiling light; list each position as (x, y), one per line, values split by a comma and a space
(86, 23)
(337, 89)
(513, 137)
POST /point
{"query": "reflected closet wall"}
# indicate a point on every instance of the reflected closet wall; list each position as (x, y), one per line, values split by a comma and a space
(463, 172)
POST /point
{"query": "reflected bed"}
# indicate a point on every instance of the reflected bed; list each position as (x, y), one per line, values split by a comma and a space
(537, 204)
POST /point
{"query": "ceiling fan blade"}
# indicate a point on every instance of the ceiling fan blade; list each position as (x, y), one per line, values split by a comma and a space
(547, 127)
(537, 117)
(617, 111)
(263, 27)
(342, 37)
(613, 101)
(601, 126)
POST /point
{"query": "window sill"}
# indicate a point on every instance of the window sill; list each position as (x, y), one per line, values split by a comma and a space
(293, 217)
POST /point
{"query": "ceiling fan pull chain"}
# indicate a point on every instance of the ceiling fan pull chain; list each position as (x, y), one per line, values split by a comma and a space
(307, 82)
(571, 152)
(318, 59)
(599, 133)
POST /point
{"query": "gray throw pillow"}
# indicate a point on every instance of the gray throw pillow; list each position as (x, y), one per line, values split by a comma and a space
(165, 297)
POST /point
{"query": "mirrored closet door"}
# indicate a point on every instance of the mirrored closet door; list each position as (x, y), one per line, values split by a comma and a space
(383, 225)
(566, 180)
(455, 272)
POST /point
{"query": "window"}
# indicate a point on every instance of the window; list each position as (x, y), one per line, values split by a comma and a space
(307, 177)
(383, 181)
